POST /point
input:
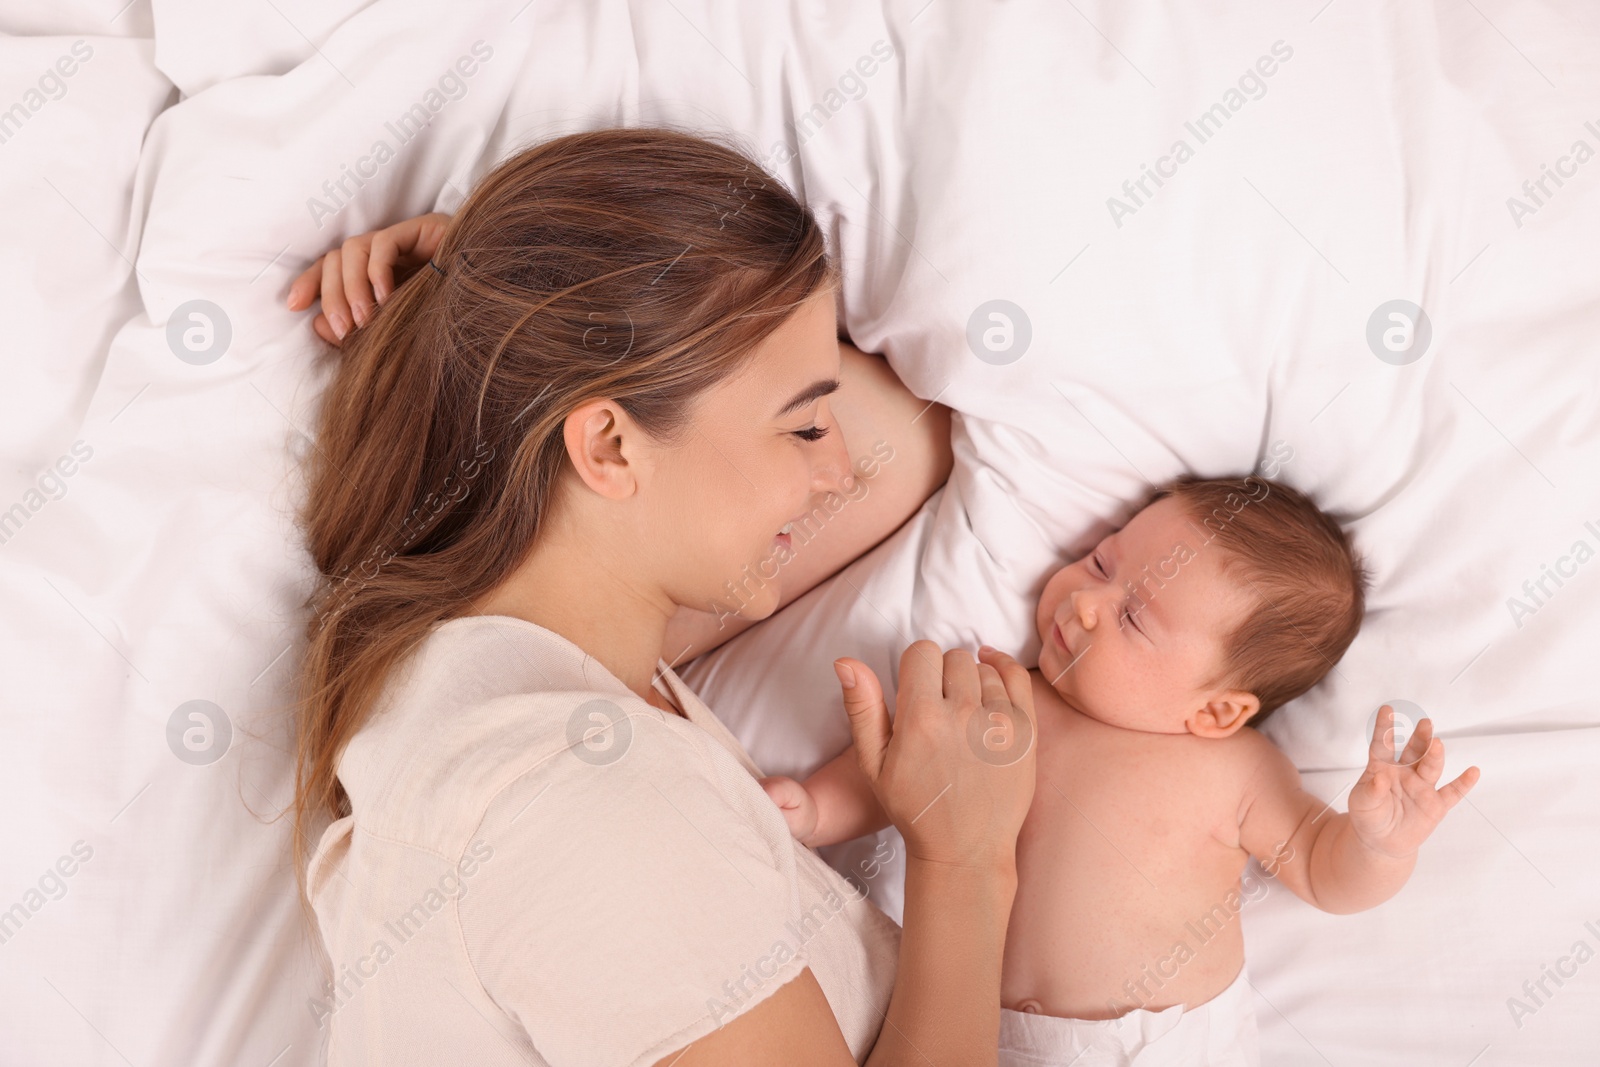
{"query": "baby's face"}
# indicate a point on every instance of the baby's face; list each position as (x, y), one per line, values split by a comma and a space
(1133, 632)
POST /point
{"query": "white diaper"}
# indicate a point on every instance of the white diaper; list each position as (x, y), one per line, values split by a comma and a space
(1219, 1033)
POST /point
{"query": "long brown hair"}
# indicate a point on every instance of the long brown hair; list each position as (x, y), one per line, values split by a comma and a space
(640, 265)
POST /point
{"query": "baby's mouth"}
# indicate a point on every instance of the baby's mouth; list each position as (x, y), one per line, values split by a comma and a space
(1060, 638)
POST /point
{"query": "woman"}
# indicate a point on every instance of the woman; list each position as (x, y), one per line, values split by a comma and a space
(606, 396)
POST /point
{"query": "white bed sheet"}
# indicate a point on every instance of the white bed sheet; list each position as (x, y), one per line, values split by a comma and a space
(1225, 315)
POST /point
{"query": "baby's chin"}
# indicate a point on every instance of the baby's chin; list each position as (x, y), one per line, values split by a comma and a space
(1106, 711)
(1090, 709)
(1085, 704)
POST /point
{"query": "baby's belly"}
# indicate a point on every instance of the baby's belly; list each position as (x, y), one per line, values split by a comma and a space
(1111, 916)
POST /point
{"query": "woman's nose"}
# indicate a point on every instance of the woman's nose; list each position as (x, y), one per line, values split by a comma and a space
(830, 466)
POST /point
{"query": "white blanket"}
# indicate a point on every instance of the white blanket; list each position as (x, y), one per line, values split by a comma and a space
(1208, 322)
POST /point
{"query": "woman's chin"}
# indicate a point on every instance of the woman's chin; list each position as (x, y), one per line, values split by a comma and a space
(762, 606)
(759, 605)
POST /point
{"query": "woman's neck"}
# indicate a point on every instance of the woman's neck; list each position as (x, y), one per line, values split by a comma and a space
(568, 590)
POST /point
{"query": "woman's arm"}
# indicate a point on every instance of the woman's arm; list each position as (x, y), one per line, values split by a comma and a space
(959, 816)
(899, 448)
(949, 972)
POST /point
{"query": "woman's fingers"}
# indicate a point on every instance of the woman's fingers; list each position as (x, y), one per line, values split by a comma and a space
(869, 715)
(956, 773)
(357, 289)
(1018, 684)
(405, 244)
(960, 675)
(381, 263)
(359, 275)
(991, 687)
(333, 302)
(324, 331)
(303, 290)
(1007, 734)
(921, 674)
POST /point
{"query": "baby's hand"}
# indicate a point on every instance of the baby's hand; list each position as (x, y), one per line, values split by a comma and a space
(799, 809)
(1394, 807)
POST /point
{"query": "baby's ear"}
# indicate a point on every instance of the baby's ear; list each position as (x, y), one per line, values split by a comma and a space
(1224, 714)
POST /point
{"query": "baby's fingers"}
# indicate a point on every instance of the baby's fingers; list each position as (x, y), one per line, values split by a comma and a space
(1429, 762)
(1452, 793)
(1419, 744)
(1380, 751)
(785, 792)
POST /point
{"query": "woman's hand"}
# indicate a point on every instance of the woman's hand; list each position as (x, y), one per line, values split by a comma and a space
(955, 771)
(359, 275)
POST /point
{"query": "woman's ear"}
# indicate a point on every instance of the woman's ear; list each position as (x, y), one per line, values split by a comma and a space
(1224, 714)
(600, 439)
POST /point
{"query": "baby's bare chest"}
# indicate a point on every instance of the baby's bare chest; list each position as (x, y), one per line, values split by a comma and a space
(1154, 809)
(1130, 847)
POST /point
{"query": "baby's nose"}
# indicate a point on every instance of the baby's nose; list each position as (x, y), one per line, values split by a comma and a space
(1083, 605)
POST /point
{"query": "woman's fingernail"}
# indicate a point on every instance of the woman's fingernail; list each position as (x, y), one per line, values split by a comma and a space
(360, 313)
(847, 677)
(340, 326)
(987, 648)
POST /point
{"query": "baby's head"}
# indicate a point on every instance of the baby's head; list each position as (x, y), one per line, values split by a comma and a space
(1219, 601)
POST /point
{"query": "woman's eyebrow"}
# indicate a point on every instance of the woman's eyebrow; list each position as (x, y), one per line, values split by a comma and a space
(814, 391)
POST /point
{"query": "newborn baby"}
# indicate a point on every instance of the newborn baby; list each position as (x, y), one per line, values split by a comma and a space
(1217, 603)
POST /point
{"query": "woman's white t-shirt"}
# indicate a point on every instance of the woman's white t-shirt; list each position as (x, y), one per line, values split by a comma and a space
(542, 868)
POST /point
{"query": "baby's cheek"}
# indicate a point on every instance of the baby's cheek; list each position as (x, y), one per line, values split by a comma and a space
(1045, 610)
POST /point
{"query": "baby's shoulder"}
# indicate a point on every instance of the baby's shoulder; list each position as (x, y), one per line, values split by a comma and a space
(1250, 767)
(1247, 758)
(1227, 762)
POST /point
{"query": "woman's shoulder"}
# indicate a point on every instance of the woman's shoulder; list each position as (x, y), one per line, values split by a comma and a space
(488, 707)
(610, 852)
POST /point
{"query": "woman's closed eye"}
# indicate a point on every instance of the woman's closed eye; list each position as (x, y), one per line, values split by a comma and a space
(813, 433)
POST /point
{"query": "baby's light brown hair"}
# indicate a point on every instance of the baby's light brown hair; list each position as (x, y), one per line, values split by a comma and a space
(1308, 581)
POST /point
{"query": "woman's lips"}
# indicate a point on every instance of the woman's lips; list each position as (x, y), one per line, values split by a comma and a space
(785, 538)
(1061, 638)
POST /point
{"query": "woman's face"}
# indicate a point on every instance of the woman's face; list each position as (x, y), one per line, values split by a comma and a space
(760, 451)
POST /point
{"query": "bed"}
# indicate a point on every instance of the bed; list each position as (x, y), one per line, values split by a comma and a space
(1354, 242)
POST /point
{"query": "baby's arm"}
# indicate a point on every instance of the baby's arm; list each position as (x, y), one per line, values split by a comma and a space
(835, 804)
(1344, 863)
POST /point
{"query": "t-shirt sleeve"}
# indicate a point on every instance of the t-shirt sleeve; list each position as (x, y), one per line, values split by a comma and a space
(630, 904)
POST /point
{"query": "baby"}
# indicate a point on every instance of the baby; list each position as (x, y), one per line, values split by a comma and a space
(1218, 602)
